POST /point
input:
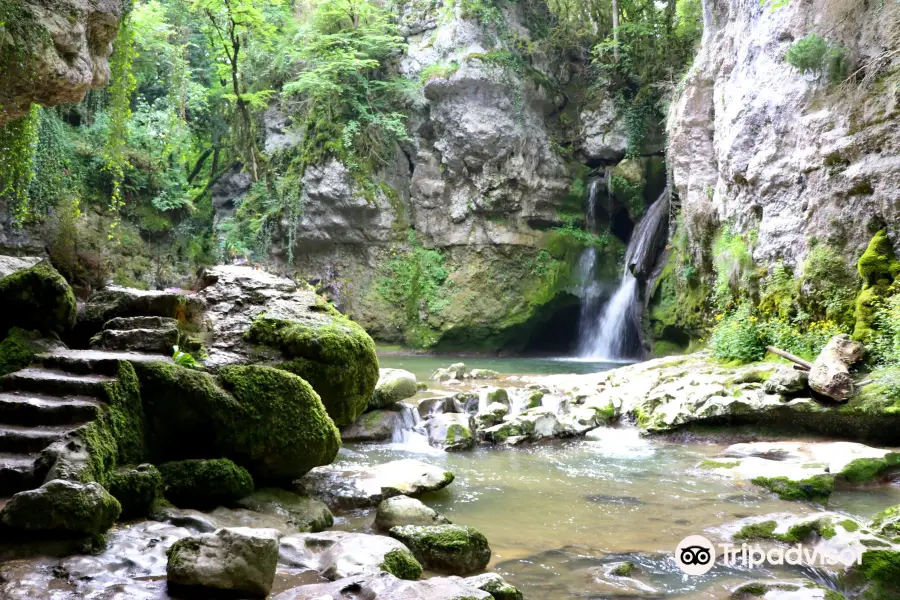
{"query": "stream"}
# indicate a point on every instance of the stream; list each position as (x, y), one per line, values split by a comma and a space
(557, 515)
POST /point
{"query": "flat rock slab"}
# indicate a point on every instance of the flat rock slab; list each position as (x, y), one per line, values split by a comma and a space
(361, 487)
(338, 554)
(387, 587)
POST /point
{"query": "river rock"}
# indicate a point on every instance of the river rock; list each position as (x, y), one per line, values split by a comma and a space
(457, 371)
(483, 374)
(450, 431)
(493, 414)
(346, 488)
(830, 373)
(385, 586)
(454, 549)
(786, 380)
(236, 559)
(403, 510)
(137, 489)
(439, 405)
(791, 589)
(495, 585)
(255, 317)
(803, 470)
(498, 395)
(204, 483)
(393, 385)
(339, 554)
(373, 426)
(530, 425)
(63, 507)
(305, 513)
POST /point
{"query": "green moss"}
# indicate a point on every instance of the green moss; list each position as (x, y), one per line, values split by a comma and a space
(205, 483)
(272, 422)
(17, 350)
(138, 490)
(881, 566)
(534, 399)
(867, 469)
(878, 267)
(757, 531)
(37, 298)
(402, 564)
(849, 525)
(751, 589)
(817, 488)
(336, 357)
(62, 506)
(449, 548)
(499, 395)
(624, 569)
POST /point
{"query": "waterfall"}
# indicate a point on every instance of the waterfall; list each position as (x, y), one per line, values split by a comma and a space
(605, 330)
(407, 431)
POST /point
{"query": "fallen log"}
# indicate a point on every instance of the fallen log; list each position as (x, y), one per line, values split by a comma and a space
(791, 357)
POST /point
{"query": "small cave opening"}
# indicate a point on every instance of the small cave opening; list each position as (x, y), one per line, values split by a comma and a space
(554, 329)
(621, 225)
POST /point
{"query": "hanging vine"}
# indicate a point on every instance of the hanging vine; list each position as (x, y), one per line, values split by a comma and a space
(18, 141)
(122, 85)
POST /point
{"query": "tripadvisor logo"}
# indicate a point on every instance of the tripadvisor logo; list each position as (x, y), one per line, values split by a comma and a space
(696, 555)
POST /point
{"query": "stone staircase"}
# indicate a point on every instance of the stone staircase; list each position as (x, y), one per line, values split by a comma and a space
(138, 334)
(45, 403)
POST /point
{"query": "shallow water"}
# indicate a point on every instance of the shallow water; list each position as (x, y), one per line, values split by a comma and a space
(556, 514)
(422, 366)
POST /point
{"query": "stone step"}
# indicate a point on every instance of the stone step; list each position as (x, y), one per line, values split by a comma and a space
(136, 340)
(17, 472)
(53, 383)
(103, 362)
(18, 408)
(21, 439)
(141, 323)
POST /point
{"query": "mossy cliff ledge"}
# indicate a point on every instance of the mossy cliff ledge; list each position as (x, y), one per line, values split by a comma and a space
(257, 317)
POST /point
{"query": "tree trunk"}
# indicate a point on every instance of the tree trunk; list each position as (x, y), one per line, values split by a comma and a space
(615, 24)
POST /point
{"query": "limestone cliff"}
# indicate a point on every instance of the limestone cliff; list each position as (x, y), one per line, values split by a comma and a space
(53, 52)
(459, 244)
(758, 144)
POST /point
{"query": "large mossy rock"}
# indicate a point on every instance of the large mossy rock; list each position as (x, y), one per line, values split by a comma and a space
(115, 302)
(393, 385)
(337, 358)
(267, 420)
(203, 483)
(257, 317)
(137, 489)
(878, 268)
(62, 506)
(453, 549)
(37, 298)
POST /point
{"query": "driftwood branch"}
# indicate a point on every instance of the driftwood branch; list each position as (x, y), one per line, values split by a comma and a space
(794, 359)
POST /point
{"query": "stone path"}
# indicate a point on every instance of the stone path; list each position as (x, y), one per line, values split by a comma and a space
(44, 403)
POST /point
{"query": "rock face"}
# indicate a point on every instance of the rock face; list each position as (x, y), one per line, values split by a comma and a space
(62, 507)
(830, 373)
(237, 559)
(255, 316)
(755, 142)
(393, 385)
(61, 48)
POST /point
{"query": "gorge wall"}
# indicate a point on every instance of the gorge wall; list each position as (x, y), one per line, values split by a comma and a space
(466, 240)
(760, 145)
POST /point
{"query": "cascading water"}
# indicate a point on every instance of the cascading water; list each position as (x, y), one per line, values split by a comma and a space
(605, 330)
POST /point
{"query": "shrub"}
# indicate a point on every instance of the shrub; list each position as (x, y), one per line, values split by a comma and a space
(813, 54)
(733, 264)
(737, 337)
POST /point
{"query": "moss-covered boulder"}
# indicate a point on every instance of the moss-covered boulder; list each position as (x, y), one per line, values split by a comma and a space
(303, 512)
(877, 577)
(453, 549)
(63, 507)
(17, 350)
(205, 483)
(496, 586)
(137, 489)
(393, 385)
(402, 565)
(37, 298)
(337, 357)
(267, 420)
